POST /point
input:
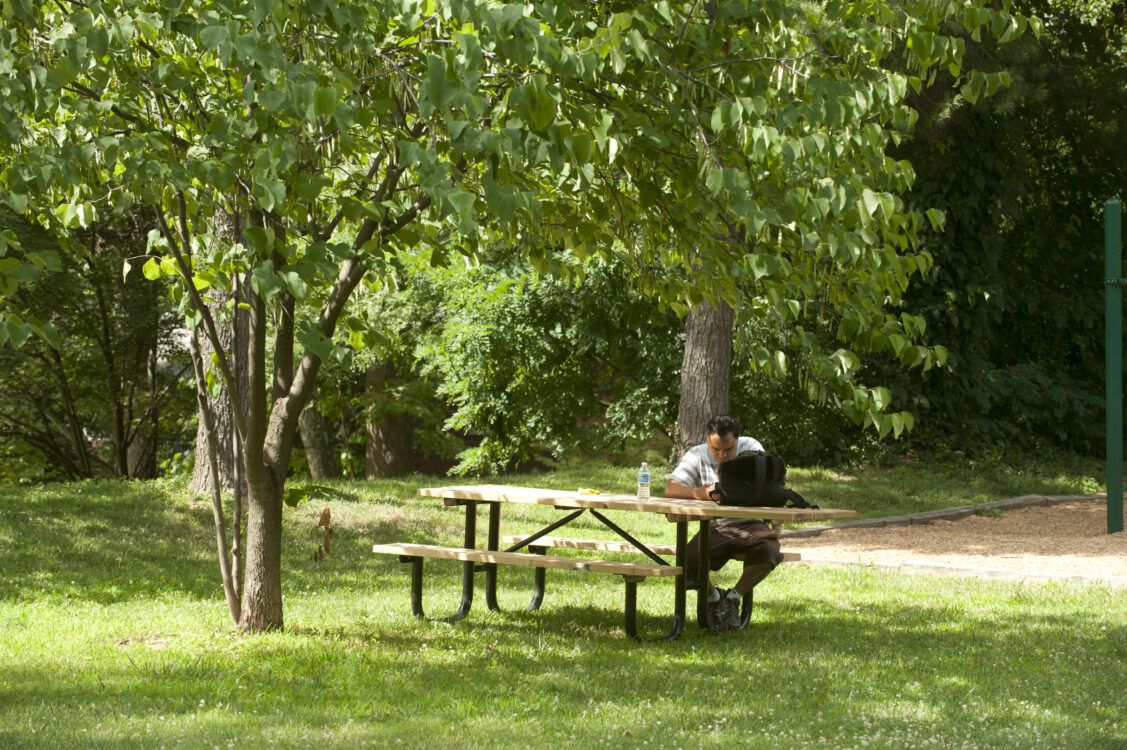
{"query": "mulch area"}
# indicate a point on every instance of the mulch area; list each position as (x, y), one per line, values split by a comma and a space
(1065, 541)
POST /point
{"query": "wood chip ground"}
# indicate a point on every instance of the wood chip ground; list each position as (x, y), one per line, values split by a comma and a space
(1065, 541)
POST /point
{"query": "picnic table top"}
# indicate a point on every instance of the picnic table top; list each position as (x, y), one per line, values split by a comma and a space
(676, 508)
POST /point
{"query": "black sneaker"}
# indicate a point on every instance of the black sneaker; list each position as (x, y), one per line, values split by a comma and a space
(718, 612)
(732, 618)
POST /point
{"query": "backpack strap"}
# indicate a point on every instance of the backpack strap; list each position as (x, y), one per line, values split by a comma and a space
(778, 470)
(760, 474)
(796, 500)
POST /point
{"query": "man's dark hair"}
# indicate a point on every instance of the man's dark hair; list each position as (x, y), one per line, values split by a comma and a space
(723, 426)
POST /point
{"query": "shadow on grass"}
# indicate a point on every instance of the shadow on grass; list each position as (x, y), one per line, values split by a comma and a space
(109, 541)
(104, 541)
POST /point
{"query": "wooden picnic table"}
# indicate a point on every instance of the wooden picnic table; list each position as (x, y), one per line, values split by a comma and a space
(678, 511)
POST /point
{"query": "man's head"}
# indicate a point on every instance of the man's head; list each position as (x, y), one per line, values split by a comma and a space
(723, 436)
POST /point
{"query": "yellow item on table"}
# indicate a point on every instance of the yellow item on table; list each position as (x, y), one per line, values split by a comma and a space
(588, 491)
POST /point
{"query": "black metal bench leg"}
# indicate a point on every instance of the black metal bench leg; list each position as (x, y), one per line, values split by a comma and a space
(467, 573)
(416, 586)
(703, 570)
(632, 605)
(678, 596)
(417, 590)
(538, 582)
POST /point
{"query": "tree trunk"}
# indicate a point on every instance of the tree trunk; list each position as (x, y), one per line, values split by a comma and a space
(262, 590)
(221, 408)
(142, 455)
(388, 452)
(317, 439)
(706, 371)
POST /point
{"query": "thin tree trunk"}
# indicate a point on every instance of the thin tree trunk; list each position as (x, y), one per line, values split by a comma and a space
(142, 455)
(706, 370)
(221, 406)
(265, 481)
(227, 576)
(77, 437)
(316, 438)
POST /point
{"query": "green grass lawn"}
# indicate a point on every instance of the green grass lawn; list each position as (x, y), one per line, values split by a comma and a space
(113, 633)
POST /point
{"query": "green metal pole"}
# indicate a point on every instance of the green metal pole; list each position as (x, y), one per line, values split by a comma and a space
(1113, 345)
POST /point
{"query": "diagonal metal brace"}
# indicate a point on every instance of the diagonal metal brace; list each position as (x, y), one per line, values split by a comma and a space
(622, 533)
(547, 530)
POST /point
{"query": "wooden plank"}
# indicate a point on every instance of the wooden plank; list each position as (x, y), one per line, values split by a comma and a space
(615, 545)
(605, 545)
(673, 507)
(526, 559)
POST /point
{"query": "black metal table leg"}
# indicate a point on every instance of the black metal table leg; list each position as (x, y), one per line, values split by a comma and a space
(678, 594)
(470, 541)
(701, 584)
(493, 543)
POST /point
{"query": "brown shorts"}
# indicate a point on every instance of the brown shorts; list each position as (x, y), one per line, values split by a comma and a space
(757, 541)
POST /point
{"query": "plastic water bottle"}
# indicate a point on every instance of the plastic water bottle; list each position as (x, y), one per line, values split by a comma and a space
(644, 482)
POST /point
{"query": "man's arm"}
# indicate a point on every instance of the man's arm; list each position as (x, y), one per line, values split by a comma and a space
(673, 488)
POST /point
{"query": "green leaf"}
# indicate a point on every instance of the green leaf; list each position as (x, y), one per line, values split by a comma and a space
(50, 334)
(937, 218)
(463, 202)
(295, 496)
(870, 202)
(18, 333)
(151, 269)
(325, 101)
(263, 281)
(259, 240)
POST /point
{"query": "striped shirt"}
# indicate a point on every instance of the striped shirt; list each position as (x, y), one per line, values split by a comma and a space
(699, 468)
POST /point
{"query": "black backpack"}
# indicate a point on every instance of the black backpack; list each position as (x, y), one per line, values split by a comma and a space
(756, 479)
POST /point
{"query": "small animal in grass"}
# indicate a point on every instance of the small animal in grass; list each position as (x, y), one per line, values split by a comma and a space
(326, 523)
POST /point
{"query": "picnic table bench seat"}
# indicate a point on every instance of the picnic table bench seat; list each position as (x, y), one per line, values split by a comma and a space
(611, 545)
(478, 559)
(642, 570)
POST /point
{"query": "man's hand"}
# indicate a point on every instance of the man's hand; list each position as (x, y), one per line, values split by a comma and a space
(674, 488)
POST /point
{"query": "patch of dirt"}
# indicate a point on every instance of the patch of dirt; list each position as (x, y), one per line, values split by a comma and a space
(1068, 540)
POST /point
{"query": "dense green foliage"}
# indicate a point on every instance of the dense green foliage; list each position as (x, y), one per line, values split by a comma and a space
(104, 393)
(1016, 293)
(531, 364)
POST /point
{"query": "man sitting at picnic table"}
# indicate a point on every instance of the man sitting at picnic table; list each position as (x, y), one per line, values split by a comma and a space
(758, 542)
